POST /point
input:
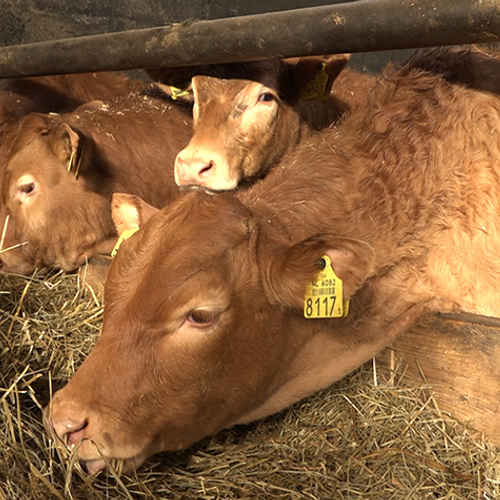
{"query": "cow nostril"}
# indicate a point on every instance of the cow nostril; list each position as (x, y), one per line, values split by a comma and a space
(72, 438)
(70, 431)
(206, 169)
(84, 467)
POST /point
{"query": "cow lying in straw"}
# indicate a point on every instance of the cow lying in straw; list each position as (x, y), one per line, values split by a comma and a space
(56, 220)
(226, 307)
(61, 171)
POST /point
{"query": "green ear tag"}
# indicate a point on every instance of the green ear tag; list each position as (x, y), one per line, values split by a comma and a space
(325, 295)
(318, 87)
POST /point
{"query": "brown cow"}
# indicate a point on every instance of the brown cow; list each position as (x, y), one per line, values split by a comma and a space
(59, 93)
(56, 94)
(204, 325)
(59, 219)
(244, 126)
(296, 79)
(51, 247)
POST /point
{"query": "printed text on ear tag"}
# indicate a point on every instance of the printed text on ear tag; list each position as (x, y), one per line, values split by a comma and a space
(319, 87)
(325, 295)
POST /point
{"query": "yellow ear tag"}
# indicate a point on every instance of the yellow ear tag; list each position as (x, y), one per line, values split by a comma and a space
(177, 92)
(124, 236)
(325, 295)
(318, 87)
(75, 165)
(71, 161)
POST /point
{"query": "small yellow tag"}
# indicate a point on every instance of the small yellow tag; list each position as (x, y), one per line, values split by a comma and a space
(325, 295)
(124, 236)
(75, 165)
(318, 87)
(71, 161)
(177, 92)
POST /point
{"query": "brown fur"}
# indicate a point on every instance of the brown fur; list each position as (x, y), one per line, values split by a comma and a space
(56, 94)
(403, 198)
(243, 126)
(59, 93)
(128, 145)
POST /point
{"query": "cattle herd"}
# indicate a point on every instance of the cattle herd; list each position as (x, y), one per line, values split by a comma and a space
(380, 196)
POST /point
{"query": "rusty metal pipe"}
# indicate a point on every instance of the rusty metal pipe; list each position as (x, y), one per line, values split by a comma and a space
(360, 26)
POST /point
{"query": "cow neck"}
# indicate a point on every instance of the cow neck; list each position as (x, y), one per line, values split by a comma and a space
(316, 190)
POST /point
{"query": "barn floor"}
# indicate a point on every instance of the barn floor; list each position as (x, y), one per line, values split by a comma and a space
(366, 437)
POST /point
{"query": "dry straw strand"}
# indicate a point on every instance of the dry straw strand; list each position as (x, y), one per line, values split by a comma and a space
(368, 437)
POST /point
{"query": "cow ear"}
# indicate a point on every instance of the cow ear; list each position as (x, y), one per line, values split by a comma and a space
(202, 86)
(129, 212)
(38, 122)
(175, 82)
(313, 76)
(291, 271)
(65, 144)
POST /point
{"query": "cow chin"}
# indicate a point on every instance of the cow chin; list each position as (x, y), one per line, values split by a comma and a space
(94, 466)
(128, 466)
(94, 458)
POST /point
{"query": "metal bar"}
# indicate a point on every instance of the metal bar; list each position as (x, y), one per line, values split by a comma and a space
(349, 27)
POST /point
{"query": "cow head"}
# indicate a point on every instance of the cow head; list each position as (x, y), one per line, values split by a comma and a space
(242, 127)
(54, 213)
(203, 328)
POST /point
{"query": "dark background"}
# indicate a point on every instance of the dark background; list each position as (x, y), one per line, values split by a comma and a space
(26, 21)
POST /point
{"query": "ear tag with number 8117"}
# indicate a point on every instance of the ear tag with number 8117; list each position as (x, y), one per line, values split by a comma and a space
(325, 295)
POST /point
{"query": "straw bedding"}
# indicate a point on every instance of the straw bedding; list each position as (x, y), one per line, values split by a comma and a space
(366, 437)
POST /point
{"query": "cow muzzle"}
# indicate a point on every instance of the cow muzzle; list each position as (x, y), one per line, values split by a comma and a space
(78, 437)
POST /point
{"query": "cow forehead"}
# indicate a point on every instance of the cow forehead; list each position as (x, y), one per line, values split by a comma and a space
(29, 153)
(208, 89)
(189, 240)
(201, 213)
(204, 224)
(217, 109)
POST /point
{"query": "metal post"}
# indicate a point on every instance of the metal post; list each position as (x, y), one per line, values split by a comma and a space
(349, 27)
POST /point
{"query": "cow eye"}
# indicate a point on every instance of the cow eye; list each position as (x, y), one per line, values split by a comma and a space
(27, 188)
(266, 97)
(202, 318)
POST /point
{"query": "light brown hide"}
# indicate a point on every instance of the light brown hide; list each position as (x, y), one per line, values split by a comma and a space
(202, 325)
(61, 171)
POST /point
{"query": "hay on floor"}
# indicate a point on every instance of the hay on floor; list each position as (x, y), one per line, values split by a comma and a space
(363, 438)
